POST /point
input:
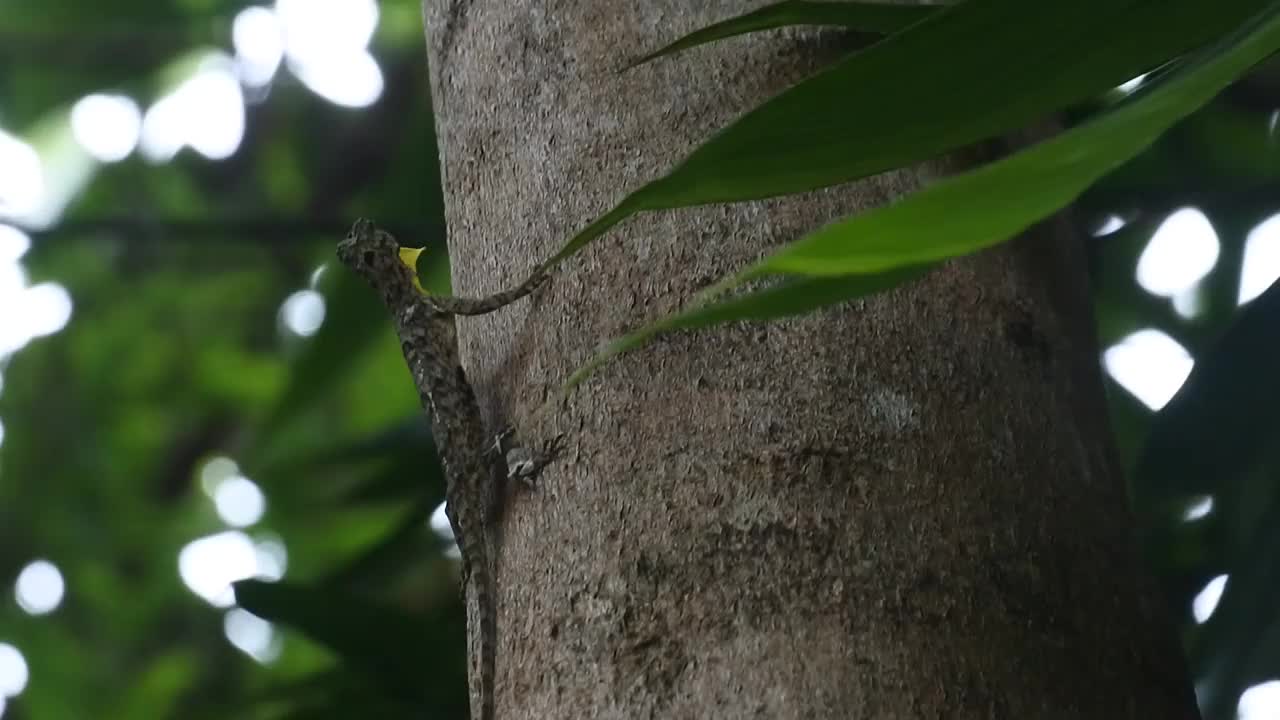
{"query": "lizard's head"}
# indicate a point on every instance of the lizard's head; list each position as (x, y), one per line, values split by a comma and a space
(376, 256)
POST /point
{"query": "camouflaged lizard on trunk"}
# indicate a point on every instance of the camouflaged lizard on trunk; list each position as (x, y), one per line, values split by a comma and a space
(474, 472)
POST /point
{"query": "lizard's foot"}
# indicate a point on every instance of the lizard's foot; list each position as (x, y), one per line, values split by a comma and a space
(525, 465)
(500, 441)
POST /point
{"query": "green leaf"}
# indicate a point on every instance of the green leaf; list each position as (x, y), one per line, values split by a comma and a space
(353, 318)
(1223, 415)
(324, 695)
(941, 83)
(793, 297)
(982, 207)
(870, 17)
(398, 462)
(159, 688)
(409, 435)
(400, 548)
(344, 706)
(1224, 655)
(403, 653)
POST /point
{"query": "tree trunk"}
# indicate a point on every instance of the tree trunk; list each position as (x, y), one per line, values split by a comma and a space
(905, 507)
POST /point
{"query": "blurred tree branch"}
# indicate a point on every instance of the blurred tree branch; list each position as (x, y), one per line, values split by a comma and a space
(277, 230)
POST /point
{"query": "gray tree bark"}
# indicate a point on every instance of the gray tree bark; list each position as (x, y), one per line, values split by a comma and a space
(905, 507)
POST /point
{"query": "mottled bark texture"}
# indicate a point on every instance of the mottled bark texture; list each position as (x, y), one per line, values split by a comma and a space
(906, 507)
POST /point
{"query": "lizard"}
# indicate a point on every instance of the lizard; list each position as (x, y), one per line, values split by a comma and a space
(473, 464)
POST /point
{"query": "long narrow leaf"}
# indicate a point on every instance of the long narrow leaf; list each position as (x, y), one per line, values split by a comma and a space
(327, 356)
(793, 297)
(1223, 656)
(986, 206)
(1223, 415)
(402, 653)
(872, 17)
(967, 72)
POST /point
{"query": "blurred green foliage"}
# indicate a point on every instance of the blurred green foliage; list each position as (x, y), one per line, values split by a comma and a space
(176, 353)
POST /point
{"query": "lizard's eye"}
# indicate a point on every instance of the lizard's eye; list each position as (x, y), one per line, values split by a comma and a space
(368, 257)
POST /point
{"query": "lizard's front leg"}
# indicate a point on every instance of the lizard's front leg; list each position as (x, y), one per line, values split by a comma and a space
(525, 464)
(484, 305)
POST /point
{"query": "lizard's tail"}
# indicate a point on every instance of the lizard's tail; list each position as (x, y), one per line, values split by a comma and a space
(482, 641)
